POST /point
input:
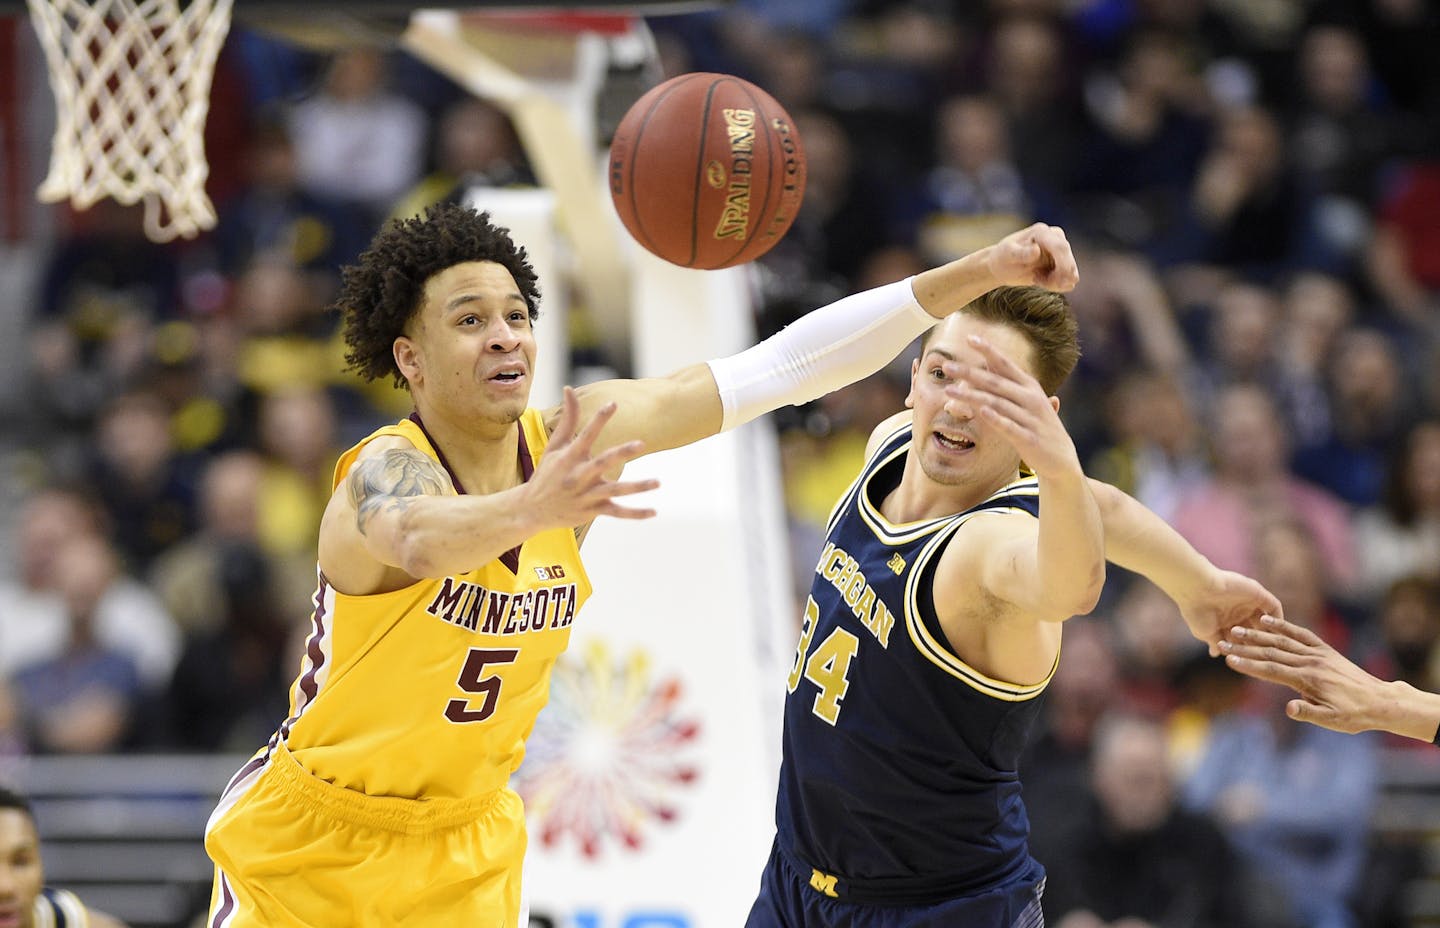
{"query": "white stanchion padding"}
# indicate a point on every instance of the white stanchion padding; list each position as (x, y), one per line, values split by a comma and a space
(650, 779)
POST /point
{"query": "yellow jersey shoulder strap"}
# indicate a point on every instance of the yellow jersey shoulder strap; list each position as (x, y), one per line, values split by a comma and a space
(533, 439)
(405, 428)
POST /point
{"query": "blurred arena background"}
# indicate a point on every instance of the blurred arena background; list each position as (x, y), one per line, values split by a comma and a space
(1252, 190)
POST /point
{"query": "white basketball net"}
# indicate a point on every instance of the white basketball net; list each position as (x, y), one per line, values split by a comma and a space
(132, 88)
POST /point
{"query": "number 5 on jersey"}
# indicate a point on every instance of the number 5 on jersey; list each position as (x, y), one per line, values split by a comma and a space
(828, 666)
(472, 680)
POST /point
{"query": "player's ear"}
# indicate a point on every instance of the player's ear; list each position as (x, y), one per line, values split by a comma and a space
(914, 372)
(1055, 403)
(407, 358)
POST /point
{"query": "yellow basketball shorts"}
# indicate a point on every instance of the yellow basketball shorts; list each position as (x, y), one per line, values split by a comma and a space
(293, 851)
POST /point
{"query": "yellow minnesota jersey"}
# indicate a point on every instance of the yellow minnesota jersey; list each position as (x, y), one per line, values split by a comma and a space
(431, 690)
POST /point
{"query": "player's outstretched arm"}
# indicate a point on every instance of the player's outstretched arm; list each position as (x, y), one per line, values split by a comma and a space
(1335, 693)
(1210, 599)
(396, 509)
(824, 350)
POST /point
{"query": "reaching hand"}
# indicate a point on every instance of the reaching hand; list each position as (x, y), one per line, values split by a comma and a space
(570, 487)
(1228, 600)
(1005, 397)
(1336, 694)
(1035, 256)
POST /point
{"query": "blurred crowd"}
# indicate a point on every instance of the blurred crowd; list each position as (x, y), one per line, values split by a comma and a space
(1253, 192)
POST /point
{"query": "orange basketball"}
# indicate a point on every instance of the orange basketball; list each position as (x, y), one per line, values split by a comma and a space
(706, 171)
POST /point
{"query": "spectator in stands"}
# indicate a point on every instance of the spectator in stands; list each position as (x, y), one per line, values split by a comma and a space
(844, 218)
(1252, 482)
(33, 612)
(273, 217)
(85, 699)
(356, 142)
(31, 617)
(287, 330)
(25, 902)
(187, 578)
(975, 191)
(1156, 453)
(298, 440)
(102, 289)
(1086, 686)
(1152, 647)
(475, 146)
(1317, 308)
(1404, 256)
(1129, 323)
(1131, 857)
(1026, 68)
(1401, 536)
(1248, 210)
(147, 488)
(1149, 124)
(1295, 801)
(1242, 333)
(229, 688)
(1289, 562)
(1339, 134)
(1369, 412)
(1128, 315)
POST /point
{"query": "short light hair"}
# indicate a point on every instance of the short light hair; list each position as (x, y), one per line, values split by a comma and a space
(1044, 318)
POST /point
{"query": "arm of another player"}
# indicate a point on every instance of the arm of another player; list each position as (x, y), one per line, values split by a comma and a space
(1335, 693)
(824, 350)
(396, 509)
(1060, 572)
(1210, 599)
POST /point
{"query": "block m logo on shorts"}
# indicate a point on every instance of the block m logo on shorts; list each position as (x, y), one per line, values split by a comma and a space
(823, 883)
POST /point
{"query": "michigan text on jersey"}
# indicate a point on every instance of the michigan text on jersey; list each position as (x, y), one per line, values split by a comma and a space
(843, 571)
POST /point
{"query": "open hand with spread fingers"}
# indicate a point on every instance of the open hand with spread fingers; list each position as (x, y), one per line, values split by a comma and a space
(1007, 398)
(1335, 693)
(570, 487)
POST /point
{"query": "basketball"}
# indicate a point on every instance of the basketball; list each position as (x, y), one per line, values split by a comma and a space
(707, 171)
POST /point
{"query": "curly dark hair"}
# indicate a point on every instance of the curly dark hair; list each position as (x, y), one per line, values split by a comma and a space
(382, 292)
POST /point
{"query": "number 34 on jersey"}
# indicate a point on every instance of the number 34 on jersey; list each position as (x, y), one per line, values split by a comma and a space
(828, 665)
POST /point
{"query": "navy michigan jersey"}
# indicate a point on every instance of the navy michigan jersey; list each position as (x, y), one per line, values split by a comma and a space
(899, 777)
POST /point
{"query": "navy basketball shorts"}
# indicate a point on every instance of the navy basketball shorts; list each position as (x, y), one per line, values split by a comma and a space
(788, 900)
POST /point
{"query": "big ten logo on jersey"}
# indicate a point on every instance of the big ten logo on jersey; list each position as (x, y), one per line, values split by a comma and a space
(553, 572)
(587, 918)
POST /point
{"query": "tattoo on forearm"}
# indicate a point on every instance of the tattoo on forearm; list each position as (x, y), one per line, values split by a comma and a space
(390, 480)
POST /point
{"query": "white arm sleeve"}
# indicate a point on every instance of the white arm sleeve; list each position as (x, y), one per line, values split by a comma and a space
(821, 351)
